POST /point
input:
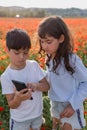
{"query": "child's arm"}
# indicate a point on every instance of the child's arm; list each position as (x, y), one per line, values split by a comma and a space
(80, 76)
(42, 85)
(14, 100)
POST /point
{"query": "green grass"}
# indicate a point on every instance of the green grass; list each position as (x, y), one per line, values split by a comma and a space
(85, 110)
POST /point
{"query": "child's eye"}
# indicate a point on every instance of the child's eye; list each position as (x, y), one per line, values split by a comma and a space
(25, 53)
(49, 42)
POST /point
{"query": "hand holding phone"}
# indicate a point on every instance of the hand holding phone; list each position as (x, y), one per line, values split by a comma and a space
(19, 85)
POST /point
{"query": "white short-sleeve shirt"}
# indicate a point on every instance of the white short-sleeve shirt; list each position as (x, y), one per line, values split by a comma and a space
(31, 73)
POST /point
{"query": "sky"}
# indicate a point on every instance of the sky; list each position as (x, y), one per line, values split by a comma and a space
(46, 3)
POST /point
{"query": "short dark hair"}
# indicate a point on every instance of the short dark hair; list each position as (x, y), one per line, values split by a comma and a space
(17, 38)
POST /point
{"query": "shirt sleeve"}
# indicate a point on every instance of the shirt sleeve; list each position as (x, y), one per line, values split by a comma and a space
(6, 84)
(80, 75)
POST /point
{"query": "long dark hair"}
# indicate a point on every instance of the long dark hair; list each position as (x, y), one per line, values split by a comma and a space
(54, 26)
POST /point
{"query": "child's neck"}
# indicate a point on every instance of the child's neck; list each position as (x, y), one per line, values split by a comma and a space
(16, 67)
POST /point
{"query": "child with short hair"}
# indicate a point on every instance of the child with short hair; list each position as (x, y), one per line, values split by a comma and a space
(24, 112)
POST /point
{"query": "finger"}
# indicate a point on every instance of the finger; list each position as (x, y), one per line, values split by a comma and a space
(30, 86)
(15, 89)
(61, 115)
(64, 114)
(23, 91)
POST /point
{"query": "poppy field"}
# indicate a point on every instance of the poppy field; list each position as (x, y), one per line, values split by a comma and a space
(78, 27)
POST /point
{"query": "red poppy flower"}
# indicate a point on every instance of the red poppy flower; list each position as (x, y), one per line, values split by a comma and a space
(43, 128)
(85, 112)
(1, 123)
(1, 108)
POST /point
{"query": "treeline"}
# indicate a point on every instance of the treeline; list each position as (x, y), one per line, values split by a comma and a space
(22, 12)
(41, 12)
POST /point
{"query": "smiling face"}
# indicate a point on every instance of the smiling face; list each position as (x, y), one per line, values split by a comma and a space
(50, 44)
(18, 58)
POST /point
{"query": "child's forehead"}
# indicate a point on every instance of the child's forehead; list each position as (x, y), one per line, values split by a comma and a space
(47, 38)
(21, 50)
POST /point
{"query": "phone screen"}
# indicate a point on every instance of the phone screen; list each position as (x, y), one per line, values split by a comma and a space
(20, 85)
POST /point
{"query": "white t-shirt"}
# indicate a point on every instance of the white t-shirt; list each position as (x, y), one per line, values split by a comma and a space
(31, 73)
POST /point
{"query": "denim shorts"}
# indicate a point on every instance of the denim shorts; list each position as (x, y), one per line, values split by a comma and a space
(77, 120)
(34, 123)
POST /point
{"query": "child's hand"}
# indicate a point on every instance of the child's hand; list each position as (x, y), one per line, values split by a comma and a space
(68, 112)
(24, 94)
(32, 86)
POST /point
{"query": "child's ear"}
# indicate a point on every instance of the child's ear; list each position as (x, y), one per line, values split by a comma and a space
(7, 50)
(61, 39)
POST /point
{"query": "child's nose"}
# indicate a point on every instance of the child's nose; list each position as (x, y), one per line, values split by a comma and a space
(21, 55)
